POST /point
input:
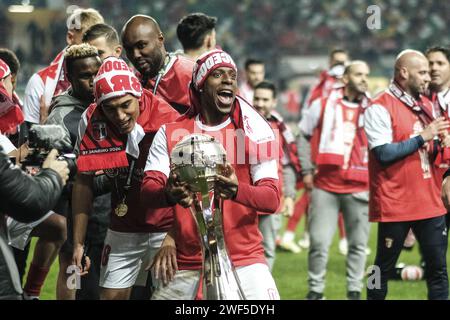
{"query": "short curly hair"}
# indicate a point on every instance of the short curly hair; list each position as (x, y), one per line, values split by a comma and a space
(79, 51)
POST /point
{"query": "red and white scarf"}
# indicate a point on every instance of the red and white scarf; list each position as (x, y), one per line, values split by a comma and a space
(54, 78)
(10, 113)
(423, 108)
(332, 148)
(287, 140)
(101, 146)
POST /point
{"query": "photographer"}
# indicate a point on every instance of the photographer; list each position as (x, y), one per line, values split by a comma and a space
(26, 199)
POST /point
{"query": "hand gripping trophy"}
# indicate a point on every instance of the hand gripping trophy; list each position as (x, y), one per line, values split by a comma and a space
(197, 160)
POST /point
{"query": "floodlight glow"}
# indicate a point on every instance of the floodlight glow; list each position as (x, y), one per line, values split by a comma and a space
(20, 8)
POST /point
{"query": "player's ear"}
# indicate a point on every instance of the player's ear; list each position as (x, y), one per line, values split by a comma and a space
(210, 40)
(161, 37)
(118, 51)
(69, 37)
(345, 79)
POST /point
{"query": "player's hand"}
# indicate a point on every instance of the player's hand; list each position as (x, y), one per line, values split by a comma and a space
(165, 261)
(77, 259)
(179, 192)
(43, 110)
(438, 126)
(288, 207)
(227, 183)
(308, 181)
(445, 139)
(60, 167)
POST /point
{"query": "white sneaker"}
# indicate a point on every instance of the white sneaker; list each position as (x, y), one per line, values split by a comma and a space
(304, 242)
(290, 246)
(343, 246)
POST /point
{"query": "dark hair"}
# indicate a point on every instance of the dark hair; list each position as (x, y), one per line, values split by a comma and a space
(10, 59)
(444, 50)
(193, 28)
(78, 51)
(251, 61)
(102, 30)
(267, 85)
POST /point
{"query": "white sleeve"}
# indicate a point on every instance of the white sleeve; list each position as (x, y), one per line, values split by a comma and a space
(33, 93)
(310, 118)
(6, 144)
(265, 169)
(158, 156)
(378, 126)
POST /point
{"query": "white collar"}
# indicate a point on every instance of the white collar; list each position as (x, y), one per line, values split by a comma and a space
(444, 98)
(133, 140)
(211, 128)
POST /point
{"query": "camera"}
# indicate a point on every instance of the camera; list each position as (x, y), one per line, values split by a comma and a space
(41, 140)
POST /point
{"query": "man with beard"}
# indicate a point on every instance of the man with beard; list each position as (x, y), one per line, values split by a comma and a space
(265, 102)
(329, 78)
(115, 135)
(251, 185)
(439, 94)
(404, 194)
(341, 178)
(165, 74)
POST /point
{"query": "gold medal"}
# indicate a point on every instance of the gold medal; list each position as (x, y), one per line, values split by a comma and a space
(121, 210)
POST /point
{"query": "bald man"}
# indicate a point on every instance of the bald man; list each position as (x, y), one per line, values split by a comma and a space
(165, 74)
(404, 192)
(340, 179)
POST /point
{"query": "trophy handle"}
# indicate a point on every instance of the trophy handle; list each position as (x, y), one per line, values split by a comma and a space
(221, 281)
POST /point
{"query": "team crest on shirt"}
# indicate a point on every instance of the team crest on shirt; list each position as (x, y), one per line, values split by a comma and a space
(349, 115)
(389, 242)
(111, 173)
(99, 130)
(122, 173)
(247, 124)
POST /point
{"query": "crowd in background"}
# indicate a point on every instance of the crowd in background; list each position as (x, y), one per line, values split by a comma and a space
(301, 27)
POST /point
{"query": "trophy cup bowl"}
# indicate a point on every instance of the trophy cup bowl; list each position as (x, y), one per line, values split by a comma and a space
(197, 157)
(197, 160)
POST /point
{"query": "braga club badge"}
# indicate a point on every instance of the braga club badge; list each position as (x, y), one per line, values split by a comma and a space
(99, 130)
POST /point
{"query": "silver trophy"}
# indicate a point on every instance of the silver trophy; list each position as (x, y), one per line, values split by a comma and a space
(197, 160)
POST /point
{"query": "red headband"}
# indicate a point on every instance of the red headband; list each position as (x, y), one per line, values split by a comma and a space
(4, 69)
(207, 63)
(115, 79)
